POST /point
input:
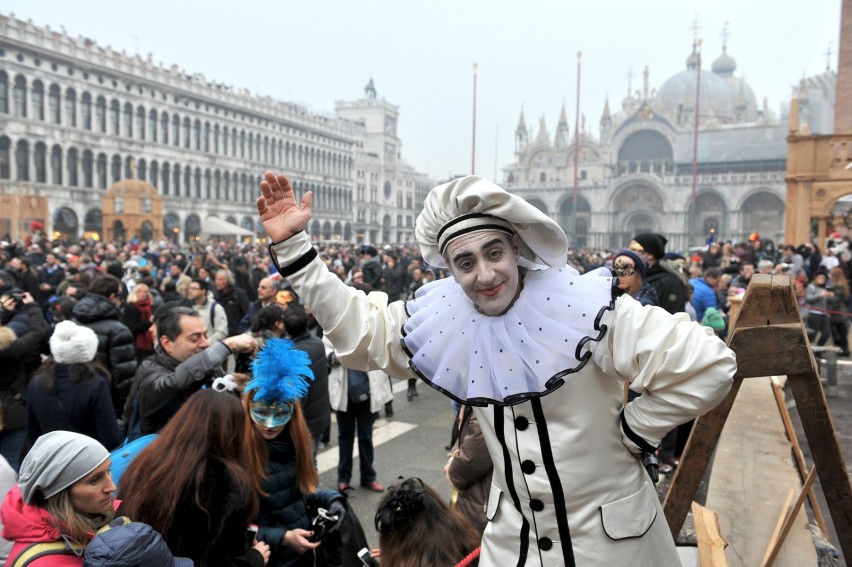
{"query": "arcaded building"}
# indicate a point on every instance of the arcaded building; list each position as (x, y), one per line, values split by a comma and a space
(75, 118)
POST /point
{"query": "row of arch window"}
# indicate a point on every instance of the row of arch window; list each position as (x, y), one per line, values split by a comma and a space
(151, 125)
(88, 170)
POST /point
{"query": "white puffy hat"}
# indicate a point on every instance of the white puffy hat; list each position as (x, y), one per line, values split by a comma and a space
(472, 203)
(72, 343)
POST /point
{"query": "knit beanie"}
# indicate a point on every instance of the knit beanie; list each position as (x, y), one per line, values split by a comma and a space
(72, 343)
(56, 461)
(653, 243)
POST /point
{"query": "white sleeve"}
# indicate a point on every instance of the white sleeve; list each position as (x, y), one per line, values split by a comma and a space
(364, 329)
(682, 369)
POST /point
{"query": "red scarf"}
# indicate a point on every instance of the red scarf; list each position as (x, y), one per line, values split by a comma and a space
(144, 342)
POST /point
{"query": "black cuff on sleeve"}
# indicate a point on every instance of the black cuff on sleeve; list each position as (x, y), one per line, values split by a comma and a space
(641, 443)
(295, 266)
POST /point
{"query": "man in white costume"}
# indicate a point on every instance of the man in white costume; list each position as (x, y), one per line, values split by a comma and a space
(542, 353)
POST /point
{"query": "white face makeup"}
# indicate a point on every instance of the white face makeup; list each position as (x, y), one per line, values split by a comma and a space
(485, 264)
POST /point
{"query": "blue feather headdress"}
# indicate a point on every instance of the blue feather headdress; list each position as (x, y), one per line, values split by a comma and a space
(280, 372)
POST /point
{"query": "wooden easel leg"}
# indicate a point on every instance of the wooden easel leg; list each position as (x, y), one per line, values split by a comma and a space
(696, 457)
(822, 440)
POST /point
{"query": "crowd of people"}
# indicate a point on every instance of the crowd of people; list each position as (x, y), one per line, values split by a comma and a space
(105, 343)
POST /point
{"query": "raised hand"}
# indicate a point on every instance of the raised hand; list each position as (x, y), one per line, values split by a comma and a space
(281, 216)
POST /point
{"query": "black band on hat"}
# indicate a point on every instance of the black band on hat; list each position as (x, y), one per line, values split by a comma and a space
(470, 222)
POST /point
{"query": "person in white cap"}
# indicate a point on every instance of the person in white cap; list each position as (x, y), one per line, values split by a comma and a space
(541, 352)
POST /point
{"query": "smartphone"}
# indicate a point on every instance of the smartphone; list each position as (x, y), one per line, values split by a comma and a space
(364, 556)
(251, 534)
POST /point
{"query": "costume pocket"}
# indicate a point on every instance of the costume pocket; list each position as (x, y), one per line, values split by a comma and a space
(494, 496)
(632, 515)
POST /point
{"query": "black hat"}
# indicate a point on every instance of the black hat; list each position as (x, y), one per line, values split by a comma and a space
(369, 250)
(653, 243)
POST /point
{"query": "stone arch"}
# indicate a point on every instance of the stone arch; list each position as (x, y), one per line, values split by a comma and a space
(171, 226)
(65, 224)
(93, 224)
(192, 228)
(762, 212)
(646, 151)
(538, 204)
(707, 211)
(575, 223)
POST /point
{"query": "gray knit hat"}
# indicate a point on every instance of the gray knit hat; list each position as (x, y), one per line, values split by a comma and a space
(56, 461)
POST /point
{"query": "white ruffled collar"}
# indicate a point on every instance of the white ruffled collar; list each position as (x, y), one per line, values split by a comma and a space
(505, 360)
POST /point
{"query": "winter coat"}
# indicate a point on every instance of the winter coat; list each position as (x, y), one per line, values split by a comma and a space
(703, 296)
(26, 524)
(116, 343)
(285, 507)
(162, 384)
(647, 295)
(140, 327)
(371, 268)
(395, 282)
(671, 290)
(338, 385)
(235, 302)
(315, 405)
(82, 406)
(14, 351)
(215, 320)
(215, 537)
(470, 472)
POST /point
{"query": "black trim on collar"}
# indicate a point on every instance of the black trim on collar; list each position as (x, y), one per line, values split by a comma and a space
(524, 536)
(633, 436)
(555, 483)
(286, 271)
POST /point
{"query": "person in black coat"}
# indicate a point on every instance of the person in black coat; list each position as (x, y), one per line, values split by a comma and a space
(70, 392)
(671, 289)
(99, 311)
(316, 404)
(232, 298)
(280, 456)
(15, 348)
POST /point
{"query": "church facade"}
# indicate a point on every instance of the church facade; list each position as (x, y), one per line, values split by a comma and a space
(637, 174)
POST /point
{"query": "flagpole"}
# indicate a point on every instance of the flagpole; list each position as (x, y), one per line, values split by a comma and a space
(573, 227)
(473, 141)
(695, 133)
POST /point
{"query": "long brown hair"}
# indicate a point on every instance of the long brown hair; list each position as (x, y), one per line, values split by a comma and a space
(418, 529)
(258, 453)
(76, 525)
(209, 425)
(838, 279)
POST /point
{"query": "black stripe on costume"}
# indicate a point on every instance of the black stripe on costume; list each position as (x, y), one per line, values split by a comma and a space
(555, 484)
(633, 436)
(469, 229)
(295, 266)
(499, 424)
(459, 219)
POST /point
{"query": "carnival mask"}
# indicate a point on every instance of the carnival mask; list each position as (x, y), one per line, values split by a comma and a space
(271, 415)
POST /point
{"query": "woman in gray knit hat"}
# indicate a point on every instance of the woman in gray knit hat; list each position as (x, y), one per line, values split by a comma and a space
(64, 494)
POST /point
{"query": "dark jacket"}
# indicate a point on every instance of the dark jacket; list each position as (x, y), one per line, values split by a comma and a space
(14, 351)
(235, 303)
(116, 344)
(162, 384)
(316, 405)
(671, 291)
(285, 507)
(647, 295)
(215, 537)
(395, 282)
(371, 269)
(83, 406)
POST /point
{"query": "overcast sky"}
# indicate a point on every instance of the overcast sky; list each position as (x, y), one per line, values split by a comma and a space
(421, 54)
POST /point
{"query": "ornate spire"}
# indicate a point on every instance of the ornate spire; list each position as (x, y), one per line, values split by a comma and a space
(522, 124)
(606, 115)
(563, 120)
(370, 89)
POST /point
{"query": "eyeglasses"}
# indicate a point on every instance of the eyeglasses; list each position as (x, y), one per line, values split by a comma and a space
(623, 269)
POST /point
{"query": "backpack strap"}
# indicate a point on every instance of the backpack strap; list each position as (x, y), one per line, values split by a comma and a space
(62, 547)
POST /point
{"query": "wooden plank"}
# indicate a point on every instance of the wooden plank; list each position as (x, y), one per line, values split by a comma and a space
(775, 547)
(769, 300)
(695, 459)
(785, 511)
(711, 544)
(799, 456)
(825, 450)
(771, 350)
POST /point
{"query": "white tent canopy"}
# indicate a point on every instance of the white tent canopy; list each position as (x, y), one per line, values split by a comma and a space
(213, 226)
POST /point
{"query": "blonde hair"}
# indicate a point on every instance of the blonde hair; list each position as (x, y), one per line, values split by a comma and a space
(77, 526)
(133, 296)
